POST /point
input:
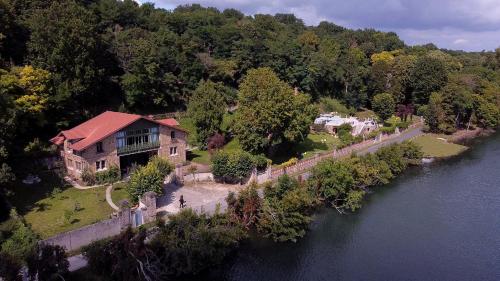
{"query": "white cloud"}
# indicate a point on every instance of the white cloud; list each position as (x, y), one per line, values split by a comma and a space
(460, 41)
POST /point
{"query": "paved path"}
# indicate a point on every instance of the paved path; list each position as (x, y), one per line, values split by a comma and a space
(199, 196)
(76, 262)
(406, 135)
(109, 189)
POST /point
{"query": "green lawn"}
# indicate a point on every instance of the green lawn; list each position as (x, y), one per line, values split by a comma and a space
(203, 156)
(434, 147)
(50, 212)
(313, 144)
(119, 193)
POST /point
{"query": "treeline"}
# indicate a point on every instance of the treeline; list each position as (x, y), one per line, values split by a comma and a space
(62, 62)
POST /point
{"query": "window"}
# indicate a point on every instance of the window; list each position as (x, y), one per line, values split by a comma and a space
(70, 164)
(99, 147)
(78, 166)
(173, 150)
(172, 134)
(100, 165)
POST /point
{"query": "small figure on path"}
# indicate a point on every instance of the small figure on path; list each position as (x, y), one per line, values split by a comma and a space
(182, 202)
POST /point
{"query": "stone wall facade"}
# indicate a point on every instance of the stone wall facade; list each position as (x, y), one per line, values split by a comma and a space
(173, 149)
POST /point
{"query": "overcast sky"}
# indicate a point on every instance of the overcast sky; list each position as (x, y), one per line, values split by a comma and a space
(471, 25)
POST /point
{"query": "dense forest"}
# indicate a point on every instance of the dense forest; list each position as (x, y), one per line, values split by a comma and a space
(62, 62)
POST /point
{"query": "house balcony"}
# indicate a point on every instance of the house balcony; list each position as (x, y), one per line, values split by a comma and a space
(138, 148)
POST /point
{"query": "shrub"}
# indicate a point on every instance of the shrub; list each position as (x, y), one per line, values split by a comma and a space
(261, 162)
(162, 165)
(88, 177)
(232, 167)
(109, 176)
(144, 179)
(292, 161)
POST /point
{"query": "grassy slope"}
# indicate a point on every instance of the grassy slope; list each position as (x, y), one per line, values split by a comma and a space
(46, 213)
(434, 147)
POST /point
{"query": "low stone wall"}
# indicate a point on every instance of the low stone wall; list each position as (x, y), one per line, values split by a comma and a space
(199, 177)
(75, 239)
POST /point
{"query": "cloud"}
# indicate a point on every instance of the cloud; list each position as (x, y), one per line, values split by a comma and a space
(460, 41)
(468, 19)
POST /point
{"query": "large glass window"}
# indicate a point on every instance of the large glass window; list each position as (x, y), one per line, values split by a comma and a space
(137, 137)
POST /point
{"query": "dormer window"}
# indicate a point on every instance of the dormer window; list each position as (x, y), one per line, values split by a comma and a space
(99, 147)
(172, 134)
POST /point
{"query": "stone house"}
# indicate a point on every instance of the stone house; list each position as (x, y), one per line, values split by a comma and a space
(121, 139)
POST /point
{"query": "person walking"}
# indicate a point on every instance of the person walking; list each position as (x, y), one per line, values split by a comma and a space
(182, 201)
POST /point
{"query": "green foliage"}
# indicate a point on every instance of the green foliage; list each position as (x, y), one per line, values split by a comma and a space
(232, 166)
(9, 267)
(327, 104)
(343, 183)
(384, 105)
(124, 254)
(148, 178)
(189, 242)
(110, 175)
(48, 262)
(206, 108)
(284, 214)
(487, 113)
(269, 112)
(161, 164)
(20, 242)
(245, 206)
(427, 76)
(332, 180)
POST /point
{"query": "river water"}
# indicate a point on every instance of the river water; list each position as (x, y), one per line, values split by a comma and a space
(440, 221)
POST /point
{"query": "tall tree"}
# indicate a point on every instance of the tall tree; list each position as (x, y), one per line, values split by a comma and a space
(428, 75)
(270, 112)
(206, 108)
(63, 41)
(384, 105)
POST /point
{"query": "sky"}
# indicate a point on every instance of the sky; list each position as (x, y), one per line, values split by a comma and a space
(470, 25)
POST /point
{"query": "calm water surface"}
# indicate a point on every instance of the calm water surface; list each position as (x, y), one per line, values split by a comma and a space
(436, 222)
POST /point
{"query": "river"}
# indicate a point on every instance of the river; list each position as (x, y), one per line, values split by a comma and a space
(440, 221)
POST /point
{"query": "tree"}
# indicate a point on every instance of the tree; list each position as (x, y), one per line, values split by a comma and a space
(384, 105)
(332, 181)
(9, 267)
(206, 108)
(284, 213)
(487, 113)
(148, 178)
(48, 262)
(427, 76)
(269, 112)
(190, 243)
(63, 41)
(245, 206)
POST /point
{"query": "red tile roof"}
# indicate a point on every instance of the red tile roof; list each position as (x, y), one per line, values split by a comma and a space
(102, 126)
(168, 122)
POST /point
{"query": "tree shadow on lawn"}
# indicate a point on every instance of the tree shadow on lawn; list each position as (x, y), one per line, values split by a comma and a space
(284, 152)
(27, 197)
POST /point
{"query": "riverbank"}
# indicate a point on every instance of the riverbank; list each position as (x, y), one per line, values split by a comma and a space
(434, 222)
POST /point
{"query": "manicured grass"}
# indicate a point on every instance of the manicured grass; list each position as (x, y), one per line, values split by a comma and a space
(203, 156)
(50, 212)
(119, 193)
(434, 147)
(313, 144)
